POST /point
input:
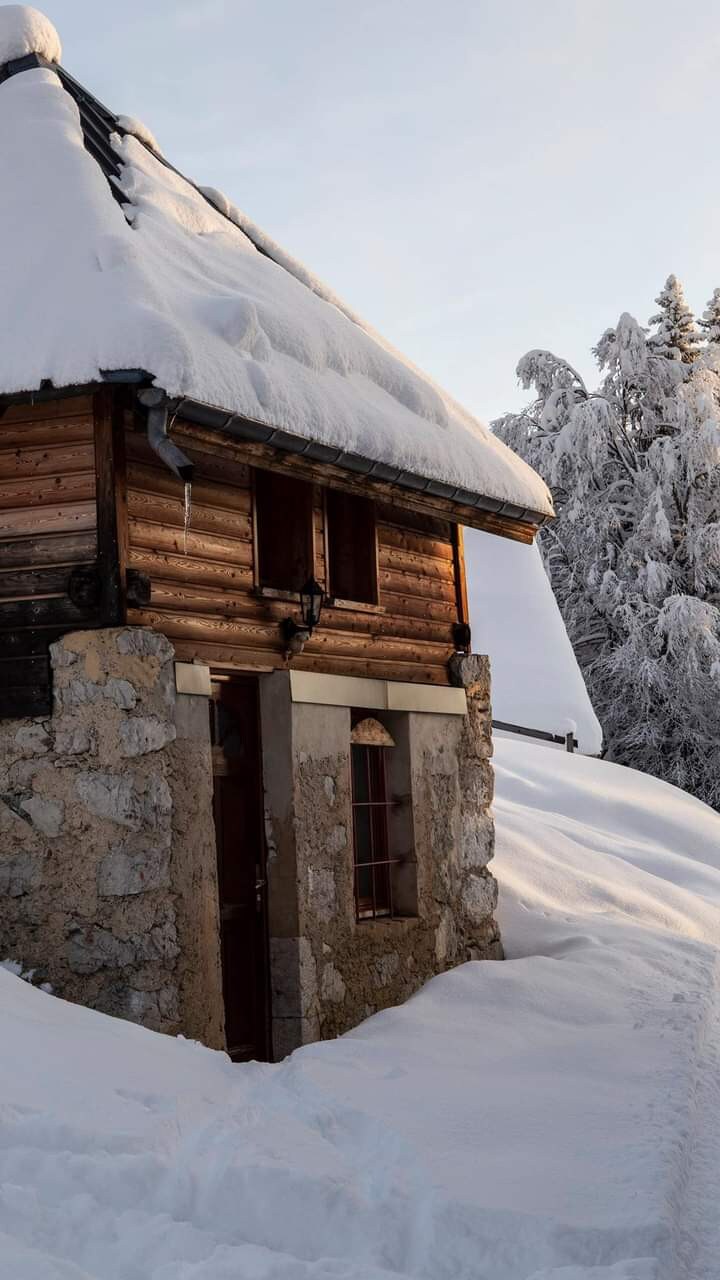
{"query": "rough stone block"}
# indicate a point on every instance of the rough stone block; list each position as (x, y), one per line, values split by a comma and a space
(74, 739)
(332, 986)
(19, 873)
(33, 740)
(46, 815)
(140, 735)
(476, 842)
(141, 643)
(89, 949)
(134, 866)
(479, 897)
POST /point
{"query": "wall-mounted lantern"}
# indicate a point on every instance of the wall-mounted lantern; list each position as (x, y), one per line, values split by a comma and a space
(296, 635)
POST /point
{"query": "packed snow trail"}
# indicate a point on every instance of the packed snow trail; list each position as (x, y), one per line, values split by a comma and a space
(694, 1250)
(550, 1118)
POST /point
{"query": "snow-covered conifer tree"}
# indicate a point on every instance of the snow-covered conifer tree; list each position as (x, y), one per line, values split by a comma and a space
(677, 336)
(634, 555)
(711, 318)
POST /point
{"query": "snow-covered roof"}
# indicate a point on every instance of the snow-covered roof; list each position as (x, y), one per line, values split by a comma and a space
(138, 269)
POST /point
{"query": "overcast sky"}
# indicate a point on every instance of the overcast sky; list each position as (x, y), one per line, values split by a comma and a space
(476, 178)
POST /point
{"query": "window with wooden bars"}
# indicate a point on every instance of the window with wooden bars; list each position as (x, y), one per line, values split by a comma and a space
(384, 866)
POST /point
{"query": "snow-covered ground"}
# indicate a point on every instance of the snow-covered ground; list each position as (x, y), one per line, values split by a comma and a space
(554, 1117)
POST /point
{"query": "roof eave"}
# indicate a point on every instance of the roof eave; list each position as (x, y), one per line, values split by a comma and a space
(357, 465)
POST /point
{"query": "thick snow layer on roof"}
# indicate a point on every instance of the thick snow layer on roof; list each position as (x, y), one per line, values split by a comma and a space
(139, 130)
(183, 293)
(553, 1117)
(25, 30)
(536, 680)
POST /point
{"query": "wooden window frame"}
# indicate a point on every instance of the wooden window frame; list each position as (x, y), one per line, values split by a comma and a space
(343, 601)
(274, 591)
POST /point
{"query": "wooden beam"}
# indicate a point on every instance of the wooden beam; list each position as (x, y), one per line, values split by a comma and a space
(112, 536)
(460, 575)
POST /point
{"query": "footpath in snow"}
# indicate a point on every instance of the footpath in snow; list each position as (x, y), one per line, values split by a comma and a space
(555, 1117)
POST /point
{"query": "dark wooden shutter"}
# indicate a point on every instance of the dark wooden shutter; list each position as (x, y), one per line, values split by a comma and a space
(352, 550)
(283, 521)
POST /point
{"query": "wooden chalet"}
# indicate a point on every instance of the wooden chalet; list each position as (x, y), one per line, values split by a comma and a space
(243, 746)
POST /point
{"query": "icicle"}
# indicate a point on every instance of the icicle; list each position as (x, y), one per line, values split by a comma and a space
(187, 513)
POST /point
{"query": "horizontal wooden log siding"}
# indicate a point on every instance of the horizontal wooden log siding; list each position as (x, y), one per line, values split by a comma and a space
(203, 585)
(48, 525)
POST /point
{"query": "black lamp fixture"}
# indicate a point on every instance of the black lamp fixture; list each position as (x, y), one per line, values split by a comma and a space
(296, 635)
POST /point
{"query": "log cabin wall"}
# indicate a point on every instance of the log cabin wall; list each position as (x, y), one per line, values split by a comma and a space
(48, 540)
(205, 593)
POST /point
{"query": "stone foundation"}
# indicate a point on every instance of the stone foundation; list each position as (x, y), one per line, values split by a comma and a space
(328, 969)
(108, 874)
(107, 849)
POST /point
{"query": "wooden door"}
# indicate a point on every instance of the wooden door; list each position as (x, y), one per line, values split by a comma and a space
(237, 770)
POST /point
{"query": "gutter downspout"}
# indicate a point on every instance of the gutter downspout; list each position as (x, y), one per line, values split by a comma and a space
(156, 402)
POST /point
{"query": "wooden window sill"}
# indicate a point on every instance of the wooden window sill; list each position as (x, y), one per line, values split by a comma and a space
(277, 593)
(357, 606)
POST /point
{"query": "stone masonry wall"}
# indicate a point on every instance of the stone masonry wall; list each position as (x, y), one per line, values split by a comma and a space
(328, 971)
(107, 869)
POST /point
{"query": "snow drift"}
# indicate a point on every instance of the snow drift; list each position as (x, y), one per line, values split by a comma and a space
(554, 1117)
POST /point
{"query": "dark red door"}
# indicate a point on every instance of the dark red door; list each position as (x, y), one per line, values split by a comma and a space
(237, 769)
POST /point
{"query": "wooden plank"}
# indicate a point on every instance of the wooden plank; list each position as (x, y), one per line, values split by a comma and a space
(247, 633)
(17, 703)
(47, 460)
(208, 465)
(429, 567)
(423, 544)
(22, 584)
(415, 584)
(109, 431)
(414, 520)
(231, 658)
(56, 434)
(51, 549)
(146, 536)
(53, 611)
(186, 598)
(205, 493)
(173, 567)
(30, 642)
(43, 491)
(460, 578)
(19, 673)
(63, 518)
(416, 607)
(46, 410)
(170, 513)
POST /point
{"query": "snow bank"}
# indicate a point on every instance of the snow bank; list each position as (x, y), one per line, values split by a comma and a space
(25, 30)
(554, 1117)
(536, 681)
(185, 294)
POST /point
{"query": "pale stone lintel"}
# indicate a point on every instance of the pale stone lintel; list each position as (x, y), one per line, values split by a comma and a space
(192, 677)
(376, 695)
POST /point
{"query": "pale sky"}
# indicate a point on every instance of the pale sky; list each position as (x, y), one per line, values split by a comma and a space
(474, 178)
